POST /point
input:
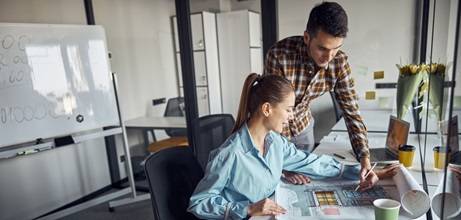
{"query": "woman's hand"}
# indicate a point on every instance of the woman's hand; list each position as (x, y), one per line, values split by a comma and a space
(265, 207)
(387, 171)
(296, 178)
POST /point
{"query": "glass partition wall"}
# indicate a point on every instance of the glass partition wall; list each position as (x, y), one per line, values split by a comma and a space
(443, 57)
(386, 38)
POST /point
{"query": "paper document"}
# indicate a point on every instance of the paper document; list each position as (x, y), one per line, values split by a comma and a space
(413, 198)
(335, 198)
(452, 197)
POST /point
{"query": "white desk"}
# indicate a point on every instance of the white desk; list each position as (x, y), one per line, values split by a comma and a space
(149, 124)
(423, 217)
(376, 120)
(338, 142)
(156, 122)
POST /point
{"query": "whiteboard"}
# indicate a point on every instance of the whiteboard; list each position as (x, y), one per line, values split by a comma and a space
(55, 80)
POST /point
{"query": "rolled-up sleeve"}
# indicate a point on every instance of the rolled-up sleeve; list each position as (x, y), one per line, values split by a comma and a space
(347, 100)
(316, 167)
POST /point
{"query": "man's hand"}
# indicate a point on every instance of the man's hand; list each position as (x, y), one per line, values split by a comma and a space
(296, 178)
(265, 207)
(372, 178)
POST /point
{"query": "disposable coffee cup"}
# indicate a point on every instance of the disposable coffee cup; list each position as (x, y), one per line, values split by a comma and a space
(439, 156)
(406, 155)
(386, 209)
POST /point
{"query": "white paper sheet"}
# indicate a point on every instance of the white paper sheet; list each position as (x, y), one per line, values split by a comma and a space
(452, 197)
(413, 198)
(301, 203)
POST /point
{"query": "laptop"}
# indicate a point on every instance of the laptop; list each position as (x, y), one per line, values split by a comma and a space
(397, 134)
(453, 139)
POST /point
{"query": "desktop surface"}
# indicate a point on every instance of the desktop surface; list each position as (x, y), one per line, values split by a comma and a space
(159, 122)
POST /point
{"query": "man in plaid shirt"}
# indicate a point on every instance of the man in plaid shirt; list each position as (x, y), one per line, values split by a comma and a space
(315, 65)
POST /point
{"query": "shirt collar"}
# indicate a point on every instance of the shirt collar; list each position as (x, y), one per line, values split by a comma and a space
(248, 144)
(245, 135)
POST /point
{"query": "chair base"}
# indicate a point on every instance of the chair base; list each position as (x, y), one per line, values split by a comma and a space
(166, 143)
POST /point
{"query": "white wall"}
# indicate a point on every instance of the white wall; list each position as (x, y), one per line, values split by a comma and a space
(381, 35)
(139, 37)
(371, 43)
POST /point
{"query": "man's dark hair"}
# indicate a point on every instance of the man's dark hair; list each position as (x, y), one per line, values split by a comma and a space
(330, 17)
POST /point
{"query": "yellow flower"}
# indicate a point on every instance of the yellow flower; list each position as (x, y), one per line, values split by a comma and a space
(441, 68)
(405, 70)
(434, 68)
(414, 69)
(423, 67)
(437, 69)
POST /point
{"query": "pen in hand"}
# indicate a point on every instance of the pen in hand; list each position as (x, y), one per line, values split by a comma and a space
(366, 175)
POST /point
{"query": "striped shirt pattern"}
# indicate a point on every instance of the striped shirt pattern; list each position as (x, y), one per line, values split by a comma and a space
(289, 58)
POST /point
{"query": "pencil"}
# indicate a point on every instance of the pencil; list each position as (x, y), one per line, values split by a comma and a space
(340, 156)
(366, 175)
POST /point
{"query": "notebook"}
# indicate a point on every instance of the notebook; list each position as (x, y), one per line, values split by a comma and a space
(397, 134)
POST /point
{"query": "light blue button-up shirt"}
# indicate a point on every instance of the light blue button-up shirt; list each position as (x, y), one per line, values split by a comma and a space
(237, 175)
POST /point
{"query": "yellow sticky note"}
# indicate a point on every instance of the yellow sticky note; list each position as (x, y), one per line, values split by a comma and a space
(370, 95)
(379, 74)
(383, 102)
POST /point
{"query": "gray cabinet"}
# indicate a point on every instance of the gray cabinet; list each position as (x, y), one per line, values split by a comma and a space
(240, 53)
(206, 63)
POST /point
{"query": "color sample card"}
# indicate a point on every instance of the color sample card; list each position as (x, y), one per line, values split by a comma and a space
(379, 74)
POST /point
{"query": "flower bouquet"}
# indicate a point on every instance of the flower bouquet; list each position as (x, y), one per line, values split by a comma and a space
(437, 81)
(410, 78)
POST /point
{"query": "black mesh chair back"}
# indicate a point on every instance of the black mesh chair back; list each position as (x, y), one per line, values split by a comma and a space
(210, 132)
(172, 174)
(175, 107)
(338, 112)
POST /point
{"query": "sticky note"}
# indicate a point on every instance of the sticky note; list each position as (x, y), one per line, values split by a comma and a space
(370, 95)
(457, 102)
(383, 102)
(379, 74)
(362, 70)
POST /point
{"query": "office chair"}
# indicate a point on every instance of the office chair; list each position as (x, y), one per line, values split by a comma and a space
(178, 136)
(172, 174)
(338, 111)
(210, 132)
(175, 107)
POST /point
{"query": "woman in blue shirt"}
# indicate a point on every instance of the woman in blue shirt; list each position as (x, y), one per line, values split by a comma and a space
(245, 170)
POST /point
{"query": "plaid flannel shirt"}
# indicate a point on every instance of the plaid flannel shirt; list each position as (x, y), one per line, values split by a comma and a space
(289, 58)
